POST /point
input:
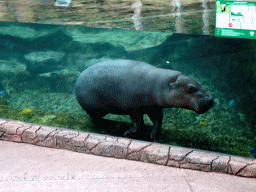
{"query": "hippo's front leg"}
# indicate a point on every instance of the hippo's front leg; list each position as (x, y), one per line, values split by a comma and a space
(156, 116)
(137, 119)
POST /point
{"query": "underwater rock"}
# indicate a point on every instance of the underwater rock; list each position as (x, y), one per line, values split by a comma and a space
(179, 47)
(106, 50)
(9, 43)
(43, 62)
(53, 40)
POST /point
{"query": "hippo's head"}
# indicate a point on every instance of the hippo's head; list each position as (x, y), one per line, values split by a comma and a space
(186, 93)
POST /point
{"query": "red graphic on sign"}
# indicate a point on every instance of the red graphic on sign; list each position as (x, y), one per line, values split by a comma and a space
(230, 25)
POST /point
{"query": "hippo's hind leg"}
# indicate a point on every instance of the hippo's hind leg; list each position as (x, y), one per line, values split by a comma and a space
(137, 120)
(96, 116)
(156, 116)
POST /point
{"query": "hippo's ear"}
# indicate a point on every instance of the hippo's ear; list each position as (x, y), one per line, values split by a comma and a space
(174, 80)
(173, 85)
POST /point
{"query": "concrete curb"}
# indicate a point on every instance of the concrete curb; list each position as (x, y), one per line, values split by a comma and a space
(123, 148)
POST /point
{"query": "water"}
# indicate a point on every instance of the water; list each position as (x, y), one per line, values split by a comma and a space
(39, 65)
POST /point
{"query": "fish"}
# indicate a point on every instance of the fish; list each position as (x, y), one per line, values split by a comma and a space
(231, 103)
(202, 123)
(253, 151)
(1, 92)
(26, 111)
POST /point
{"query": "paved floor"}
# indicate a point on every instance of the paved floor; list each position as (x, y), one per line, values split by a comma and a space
(25, 167)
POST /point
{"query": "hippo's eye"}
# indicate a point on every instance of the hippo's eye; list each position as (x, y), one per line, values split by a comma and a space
(192, 89)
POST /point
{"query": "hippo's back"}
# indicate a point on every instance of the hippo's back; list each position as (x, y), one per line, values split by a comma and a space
(117, 85)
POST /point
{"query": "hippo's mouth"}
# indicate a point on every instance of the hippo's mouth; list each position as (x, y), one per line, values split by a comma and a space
(205, 106)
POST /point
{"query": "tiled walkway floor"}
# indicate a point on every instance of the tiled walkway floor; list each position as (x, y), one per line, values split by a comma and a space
(26, 167)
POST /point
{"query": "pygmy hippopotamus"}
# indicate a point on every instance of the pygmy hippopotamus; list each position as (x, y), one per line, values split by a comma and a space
(135, 88)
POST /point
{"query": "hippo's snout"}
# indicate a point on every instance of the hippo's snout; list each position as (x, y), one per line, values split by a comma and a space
(206, 104)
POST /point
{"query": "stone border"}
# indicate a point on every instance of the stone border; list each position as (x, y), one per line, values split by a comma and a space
(124, 148)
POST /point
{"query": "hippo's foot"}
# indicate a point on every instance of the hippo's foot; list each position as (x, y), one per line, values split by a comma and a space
(155, 138)
(133, 135)
(140, 135)
(129, 134)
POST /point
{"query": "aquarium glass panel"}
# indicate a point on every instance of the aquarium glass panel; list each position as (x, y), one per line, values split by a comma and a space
(44, 48)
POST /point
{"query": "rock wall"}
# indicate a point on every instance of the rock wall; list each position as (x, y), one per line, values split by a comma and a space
(95, 13)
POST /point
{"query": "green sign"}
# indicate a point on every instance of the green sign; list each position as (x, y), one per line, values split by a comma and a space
(236, 19)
